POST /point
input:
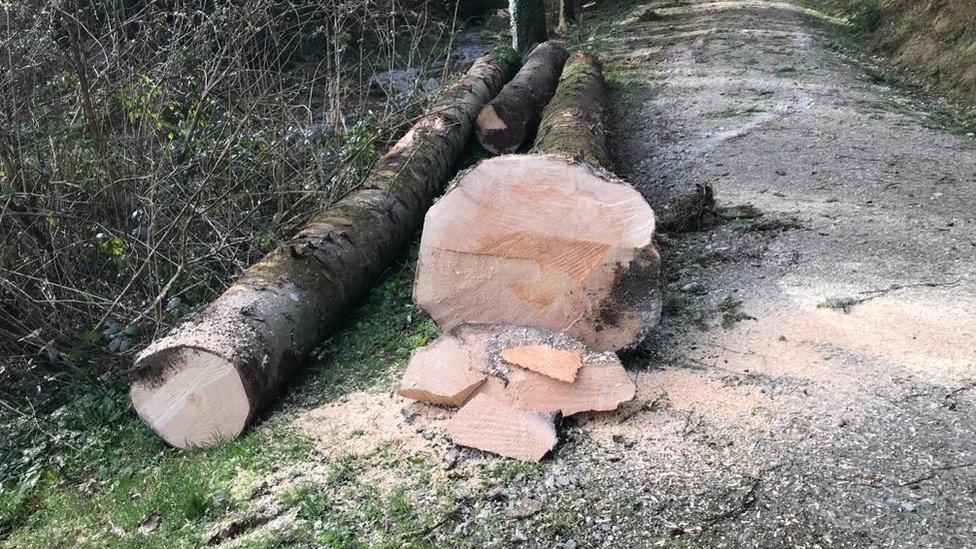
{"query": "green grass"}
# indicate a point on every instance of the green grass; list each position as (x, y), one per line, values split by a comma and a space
(848, 29)
(732, 312)
(92, 468)
(844, 304)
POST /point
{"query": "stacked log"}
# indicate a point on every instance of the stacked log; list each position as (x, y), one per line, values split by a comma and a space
(505, 124)
(208, 379)
(572, 123)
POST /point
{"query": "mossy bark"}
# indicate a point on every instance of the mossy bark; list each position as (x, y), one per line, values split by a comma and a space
(528, 23)
(285, 305)
(506, 123)
(572, 124)
(567, 13)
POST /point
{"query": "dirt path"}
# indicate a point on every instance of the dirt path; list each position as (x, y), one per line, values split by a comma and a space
(813, 382)
(797, 422)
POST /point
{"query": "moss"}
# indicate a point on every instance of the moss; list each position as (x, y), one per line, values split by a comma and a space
(511, 59)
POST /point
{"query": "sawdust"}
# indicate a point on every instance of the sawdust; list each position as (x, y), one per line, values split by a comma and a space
(361, 423)
(888, 337)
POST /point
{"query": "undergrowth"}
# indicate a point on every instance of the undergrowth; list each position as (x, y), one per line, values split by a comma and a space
(935, 40)
(92, 473)
(151, 152)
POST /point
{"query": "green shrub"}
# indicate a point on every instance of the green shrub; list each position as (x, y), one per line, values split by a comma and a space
(864, 16)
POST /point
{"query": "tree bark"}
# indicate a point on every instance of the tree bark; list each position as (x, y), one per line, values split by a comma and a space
(506, 123)
(572, 124)
(528, 23)
(567, 13)
(207, 380)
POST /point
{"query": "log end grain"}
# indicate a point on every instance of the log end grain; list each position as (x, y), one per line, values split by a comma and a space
(542, 241)
(197, 399)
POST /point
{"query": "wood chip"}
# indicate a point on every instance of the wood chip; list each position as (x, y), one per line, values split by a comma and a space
(441, 373)
(494, 426)
(602, 385)
(548, 361)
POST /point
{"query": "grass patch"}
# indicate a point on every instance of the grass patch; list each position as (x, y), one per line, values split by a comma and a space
(732, 312)
(864, 16)
(841, 304)
(92, 471)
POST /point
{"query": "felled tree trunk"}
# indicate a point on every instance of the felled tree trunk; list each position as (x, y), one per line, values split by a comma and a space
(567, 13)
(572, 124)
(207, 380)
(542, 240)
(507, 121)
(528, 23)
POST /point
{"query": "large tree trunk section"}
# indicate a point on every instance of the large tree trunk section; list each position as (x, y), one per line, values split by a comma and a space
(572, 124)
(205, 381)
(507, 121)
(542, 241)
(528, 23)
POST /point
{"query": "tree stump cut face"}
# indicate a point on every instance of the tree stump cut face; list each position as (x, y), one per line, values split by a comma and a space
(542, 241)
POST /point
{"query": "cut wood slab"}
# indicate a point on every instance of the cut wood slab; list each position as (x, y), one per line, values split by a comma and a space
(601, 386)
(441, 373)
(507, 122)
(495, 426)
(542, 241)
(523, 366)
(555, 363)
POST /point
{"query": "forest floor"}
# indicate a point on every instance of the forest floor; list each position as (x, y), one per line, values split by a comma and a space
(811, 384)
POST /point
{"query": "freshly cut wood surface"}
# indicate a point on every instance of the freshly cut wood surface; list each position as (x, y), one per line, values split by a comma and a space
(495, 426)
(442, 373)
(555, 363)
(205, 381)
(530, 368)
(542, 241)
(572, 124)
(601, 386)
(507, 122)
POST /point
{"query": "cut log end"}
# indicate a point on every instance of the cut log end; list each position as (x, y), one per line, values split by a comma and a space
(542, 241)
(195, 398)
(488, 119)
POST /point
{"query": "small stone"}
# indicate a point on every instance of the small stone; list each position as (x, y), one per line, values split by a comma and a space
(525, 507)
(694, 287)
